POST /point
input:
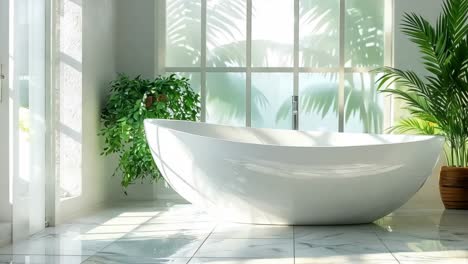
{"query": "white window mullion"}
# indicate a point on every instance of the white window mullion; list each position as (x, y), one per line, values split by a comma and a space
(358, 69)
(318, 70)
(248, 70)
(296, 50)
(341, 89)
(183, 69)
(388, 59)
(265, 69)
(160, 36)
(203, 61)
(272, 69)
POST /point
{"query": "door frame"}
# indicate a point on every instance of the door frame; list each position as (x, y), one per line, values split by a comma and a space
(5, 182)
(50, 59)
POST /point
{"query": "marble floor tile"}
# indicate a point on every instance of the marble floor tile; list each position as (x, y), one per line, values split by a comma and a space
(197, 230)
(38, 259)
(169, 234)
(57, 245)
(173, 233)
(435, 261)
(242, 261)
(246, 248)
(432, 257)
(181, 216)
(87, 232)
(118, 216)
(251, 231)
(160, 203)
(425, 241)
(134, 260)
(335, 235)
(150, 247)
(175, 226)
(340, 244)
(346, 259)
(141, 215)
(344, 252)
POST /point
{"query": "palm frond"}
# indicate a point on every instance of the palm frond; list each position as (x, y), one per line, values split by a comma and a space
(455, 15)
(416, 126)
(422, 33)
(437, 103)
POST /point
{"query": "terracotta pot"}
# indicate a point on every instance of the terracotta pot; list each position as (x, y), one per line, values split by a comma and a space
(453, 185)
(149, 101)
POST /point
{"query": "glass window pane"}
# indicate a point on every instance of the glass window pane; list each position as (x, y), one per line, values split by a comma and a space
(272, 33)
(319, 23)
(225, 98)
(364, 33)
(363, 104)
(183, 40)
(226, 33)
(318, 96)
(271, 100)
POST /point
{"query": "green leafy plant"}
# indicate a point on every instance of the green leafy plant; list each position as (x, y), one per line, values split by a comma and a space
(131, 101)
(438, 103)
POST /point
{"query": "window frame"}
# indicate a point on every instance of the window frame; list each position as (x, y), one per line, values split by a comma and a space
(341, 70)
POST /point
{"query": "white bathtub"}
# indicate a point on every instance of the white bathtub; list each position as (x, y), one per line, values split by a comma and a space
(268, 176)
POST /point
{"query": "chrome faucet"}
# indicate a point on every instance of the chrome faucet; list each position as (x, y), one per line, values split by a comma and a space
(295, 112)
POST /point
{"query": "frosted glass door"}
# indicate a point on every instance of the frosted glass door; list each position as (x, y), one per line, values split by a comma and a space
(27, 115)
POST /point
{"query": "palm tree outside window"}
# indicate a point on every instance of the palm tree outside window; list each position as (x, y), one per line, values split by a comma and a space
(248, 57)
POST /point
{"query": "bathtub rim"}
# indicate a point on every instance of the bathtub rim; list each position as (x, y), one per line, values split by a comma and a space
(415, 138)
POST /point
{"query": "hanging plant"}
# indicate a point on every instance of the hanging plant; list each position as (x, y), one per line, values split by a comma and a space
(131, 101)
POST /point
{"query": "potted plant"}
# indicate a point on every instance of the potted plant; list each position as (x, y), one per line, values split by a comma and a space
(131, 101)
(438, 103)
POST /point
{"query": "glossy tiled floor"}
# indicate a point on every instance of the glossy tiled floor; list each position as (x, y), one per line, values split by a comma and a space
(165, 232)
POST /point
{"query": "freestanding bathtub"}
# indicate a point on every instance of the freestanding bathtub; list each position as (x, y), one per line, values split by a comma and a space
(268, 176)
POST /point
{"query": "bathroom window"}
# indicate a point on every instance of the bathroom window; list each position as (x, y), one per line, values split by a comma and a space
(248, 57)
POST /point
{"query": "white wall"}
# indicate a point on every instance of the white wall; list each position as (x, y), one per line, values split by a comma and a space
(135, 55)
(117, 36)
(135, 37)
(406, 56)
(98, 68)
(99, 28)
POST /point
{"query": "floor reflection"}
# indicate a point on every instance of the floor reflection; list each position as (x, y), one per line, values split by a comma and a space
(172, 232)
